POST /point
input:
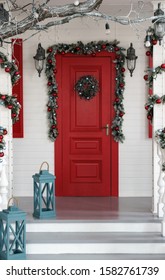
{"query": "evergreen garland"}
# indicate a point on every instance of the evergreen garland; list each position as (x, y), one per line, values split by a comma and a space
(89, 49)
(160, 137)
(9, 67)
(152, 74)
(152, 100)
(11, 103)
(3, 132)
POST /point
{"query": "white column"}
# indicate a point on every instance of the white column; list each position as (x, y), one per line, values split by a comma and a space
(159, 110)
(161, 183)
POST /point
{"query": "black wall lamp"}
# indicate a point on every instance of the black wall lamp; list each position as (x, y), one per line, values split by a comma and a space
(39, 59)
(131, 59)
(159, 24)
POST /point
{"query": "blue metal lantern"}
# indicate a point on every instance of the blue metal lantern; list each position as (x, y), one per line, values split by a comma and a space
(12, 233)
(44, 194)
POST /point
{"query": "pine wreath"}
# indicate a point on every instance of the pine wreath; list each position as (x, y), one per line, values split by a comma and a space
(87, 87)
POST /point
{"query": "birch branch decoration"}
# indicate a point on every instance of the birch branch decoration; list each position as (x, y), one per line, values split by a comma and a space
(34, 13)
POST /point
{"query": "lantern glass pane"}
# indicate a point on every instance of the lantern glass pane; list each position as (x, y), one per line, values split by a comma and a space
(131, 64)
(39, 64)
(160, 29)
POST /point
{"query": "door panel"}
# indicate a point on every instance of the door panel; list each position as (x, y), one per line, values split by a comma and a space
(83, 151)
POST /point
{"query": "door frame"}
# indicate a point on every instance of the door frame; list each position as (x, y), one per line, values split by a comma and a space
(114, 166)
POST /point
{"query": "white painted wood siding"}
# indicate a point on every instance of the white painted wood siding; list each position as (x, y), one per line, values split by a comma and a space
(135, 156)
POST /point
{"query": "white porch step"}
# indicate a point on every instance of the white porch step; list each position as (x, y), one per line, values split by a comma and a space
(93, 226)
(86, 238)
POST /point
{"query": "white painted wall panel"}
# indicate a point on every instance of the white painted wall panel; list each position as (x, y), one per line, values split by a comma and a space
(135, 156)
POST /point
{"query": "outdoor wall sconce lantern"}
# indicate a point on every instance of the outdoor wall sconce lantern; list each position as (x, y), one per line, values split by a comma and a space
(44, 194)
(159, 24)
(39, 59)
(131, 59)
(12, 233)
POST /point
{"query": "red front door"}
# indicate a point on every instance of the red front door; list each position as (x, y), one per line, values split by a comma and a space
(86, 155)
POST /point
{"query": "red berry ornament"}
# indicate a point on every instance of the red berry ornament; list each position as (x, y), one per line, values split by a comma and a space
(121, 114)
(49, 50)
(53, 126)
(146, 107)
(145, 77)
(3, 97)
(154, 42)
(116, 49)
(13, 115)
(7, 69)
(1, 137)
(49, 84)
(163, 66)
(49, 61)
(148, 53)
(16, 73)
(1, 154)
(158, 101)
(117, 100)
(4, 132)
(149, 117)
(103, 47)
(10, 106)
(123, 69)
(117, 128)
(121, 85)
(49, 109)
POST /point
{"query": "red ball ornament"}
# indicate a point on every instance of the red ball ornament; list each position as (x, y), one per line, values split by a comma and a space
(148, 53)
(117, 100)
(93, 54)
(13, 115)
(116, 49)
(55, 71)
(3, 97)
(118, 56)
(145, 77)
(146, 107)
(7, 69)
(149, 117)
(123, 69)
(77, 48)
(1, 61)
(49, 84)
(10, 106)
(53, 126)
(103, 47)
(1, 137)
(63, 52)
(121, 85)
(49, 61)
(1, 154)
(158, 101)
(16, 73)
(121, 114)
(163, 66)
(49, 50)
(154, 42)
(117, 128)
(49, 109)
(4, 132)
(54, 94)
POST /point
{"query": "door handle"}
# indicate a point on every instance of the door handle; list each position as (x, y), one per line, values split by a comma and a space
(106, 128)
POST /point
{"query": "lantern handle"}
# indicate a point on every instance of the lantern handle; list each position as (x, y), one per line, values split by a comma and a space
(43, 164)
(12, 198)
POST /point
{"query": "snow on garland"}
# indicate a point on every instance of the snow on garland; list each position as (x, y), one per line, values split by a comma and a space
(3, 132)
(88, 49)
(152, 100)
(11, 103)
(87, 87)
(9, 67)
